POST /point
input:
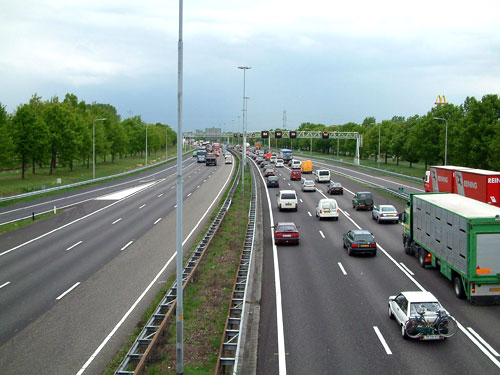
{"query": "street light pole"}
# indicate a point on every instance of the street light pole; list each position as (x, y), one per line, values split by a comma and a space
(445, 138)
(93, 145)
(244, 130)
(146, 144)
(378, 156)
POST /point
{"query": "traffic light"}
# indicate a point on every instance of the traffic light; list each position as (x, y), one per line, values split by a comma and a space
(325, 135)
(278, 134)
(293, 134)
(264, 134)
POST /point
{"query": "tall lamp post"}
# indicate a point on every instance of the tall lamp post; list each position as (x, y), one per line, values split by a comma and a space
(93, 145)
(445, 139)
(244, 129)
(146, 144)
(378, 156)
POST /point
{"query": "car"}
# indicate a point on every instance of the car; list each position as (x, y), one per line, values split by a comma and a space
(259, 160)
(296, 164)
(273, 159)
(229, 160)
(363, 199)
(322, 175)
(195, 153)
(360, 241)
(287, 200)
(308, 185)
(264, 164)
(335, 188)
(279, 163)
(385, 213)
(295, 174)
(273, 181)
(327, 208)
(285, 233)
(268, 172)
(420, 315)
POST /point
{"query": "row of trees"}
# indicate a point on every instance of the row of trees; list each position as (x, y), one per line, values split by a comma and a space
(473, 136)
(52, 133)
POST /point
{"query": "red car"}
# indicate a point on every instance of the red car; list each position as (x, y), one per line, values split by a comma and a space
(295, 174)
(285, 233)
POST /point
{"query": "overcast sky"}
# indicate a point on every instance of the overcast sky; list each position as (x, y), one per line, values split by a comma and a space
(323, 61)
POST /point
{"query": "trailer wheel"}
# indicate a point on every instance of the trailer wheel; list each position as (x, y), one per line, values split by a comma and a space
(421, 257)
(407, 245)
(458, 287)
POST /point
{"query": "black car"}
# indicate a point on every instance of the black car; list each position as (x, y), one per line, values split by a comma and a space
(363, 199)
(335, 188)
(360, 241)
(273, 181)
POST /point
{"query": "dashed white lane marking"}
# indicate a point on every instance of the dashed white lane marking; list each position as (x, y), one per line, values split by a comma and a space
(69, 290)
(309, 213)
(382, 340)
(172, 187)
(406, 268)
(127, 245)
(342, 268)
(4, 284)
(189, 176)
(189, 194)
(116, 221)
(175, 206)
(75, 245)
(157, 221)
(300, 199)
(144, 205)
(197, 187)
(322, 235)
(488, 346)
(160, 195)
(204, 180)
(289, 184)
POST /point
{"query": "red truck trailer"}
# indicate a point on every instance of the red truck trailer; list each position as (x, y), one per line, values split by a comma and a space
(478, 184)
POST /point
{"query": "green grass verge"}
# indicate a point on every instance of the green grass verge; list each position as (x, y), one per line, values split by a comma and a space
(23, 223)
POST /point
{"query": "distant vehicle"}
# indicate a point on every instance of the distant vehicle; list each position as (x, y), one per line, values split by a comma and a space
(308, 185)
(286, 233)
(195, 153)
(211, 159)
(363, 199)
(273, 181)
(335, 188)
(327, 208)
(268, 156)
(228, 160)
(295, 174)
(268, 172)
(273, 159)
(385, 213)
(307, 166)
(287, 200)
(259, 159)
(421, 316)
(286, 155)
(322, 175)
(201, 156)
(296, 164)
(265, 164)
(360, 241)
(279, 163)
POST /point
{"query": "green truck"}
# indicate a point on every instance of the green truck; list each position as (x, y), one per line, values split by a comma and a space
(461, 237)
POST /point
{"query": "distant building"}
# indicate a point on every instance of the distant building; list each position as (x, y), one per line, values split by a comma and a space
(213, 132)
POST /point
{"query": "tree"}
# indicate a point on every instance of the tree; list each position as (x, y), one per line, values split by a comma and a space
(24, 124)
(6, 142)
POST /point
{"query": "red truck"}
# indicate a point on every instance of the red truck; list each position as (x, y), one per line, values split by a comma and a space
(478, 184)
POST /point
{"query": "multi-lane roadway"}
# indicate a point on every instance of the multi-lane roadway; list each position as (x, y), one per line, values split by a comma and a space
(324, 312)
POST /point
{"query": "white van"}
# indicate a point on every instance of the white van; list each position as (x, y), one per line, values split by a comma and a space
(287, 200)
(322, 175)
(272, 159)
(296, 164)
(327, 208)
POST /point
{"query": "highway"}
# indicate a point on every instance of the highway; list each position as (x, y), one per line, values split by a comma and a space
(74, 285)
(325, 312)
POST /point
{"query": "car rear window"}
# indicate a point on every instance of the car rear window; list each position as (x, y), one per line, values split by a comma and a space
(309, 183)
(286, 228)
(324, 173)
(327, 205)
(363, 237)
(365, 196)
(288, 196)
(388, 209)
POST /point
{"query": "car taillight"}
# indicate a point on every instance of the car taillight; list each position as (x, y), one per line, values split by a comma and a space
(338, 210)
(296, 205)
(320, 211)
(382, 215)
(355, 245)
(374, 244)
(295, 234)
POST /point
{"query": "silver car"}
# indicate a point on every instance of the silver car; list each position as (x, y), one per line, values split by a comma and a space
(308, 185)
(385, 213)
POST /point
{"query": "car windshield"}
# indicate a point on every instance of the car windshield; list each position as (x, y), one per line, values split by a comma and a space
(286, 228)
(288, 196)
(432, 307)
(363, 237)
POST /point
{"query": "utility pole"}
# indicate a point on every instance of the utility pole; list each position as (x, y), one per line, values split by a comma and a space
(244, 68)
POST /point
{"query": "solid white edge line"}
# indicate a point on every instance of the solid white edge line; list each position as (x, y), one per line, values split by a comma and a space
(478, 344)
(277, 285)
(157, 221)
(144, 205)
(406, 268)
(127, 245)
(322, 235)
(382, 340)
(139, 299)
(69, 290)
(72, 246)
(483, 341)
(342, 268)
(116, 221)
(4, 284)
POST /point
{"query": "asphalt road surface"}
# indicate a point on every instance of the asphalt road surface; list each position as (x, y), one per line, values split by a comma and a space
(327, 312)
(74, 285)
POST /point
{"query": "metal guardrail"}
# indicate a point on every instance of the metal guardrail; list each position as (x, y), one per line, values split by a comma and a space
(136, 358)
(231, 343)
(81, 183)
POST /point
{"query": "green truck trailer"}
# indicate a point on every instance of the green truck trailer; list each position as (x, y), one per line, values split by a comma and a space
(461, 237)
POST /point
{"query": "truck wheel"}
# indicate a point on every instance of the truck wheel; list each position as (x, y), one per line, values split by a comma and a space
(407, 245)
(421, 258)
(458, 287)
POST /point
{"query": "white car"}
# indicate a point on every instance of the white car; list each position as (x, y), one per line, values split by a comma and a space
(229, 160)
(308, 185)
(420, 315)
(327, 208)
(385, 212)
(287, 200)
(296, 164)
(279, 163)
(273, 159)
